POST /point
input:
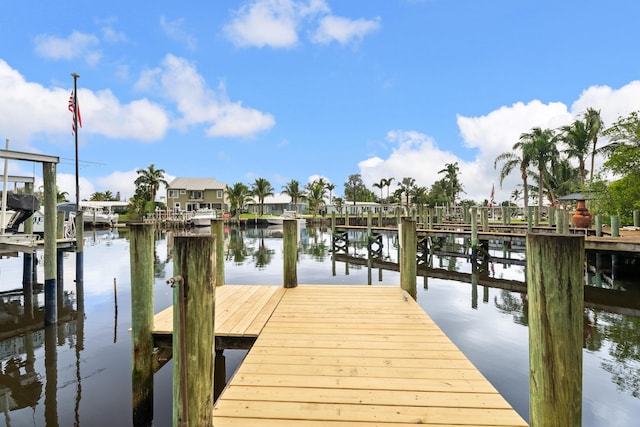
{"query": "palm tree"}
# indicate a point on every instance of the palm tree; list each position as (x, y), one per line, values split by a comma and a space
(61, 196)
(238, 196)
(380, 185)
(578, 141)
(339, 204)
(515, 195)
(149, 180)
(315, 196)
(510, 160)
(330, 187)
(261, 188)
(406, 187)
(451, 171)
(541, 148)
(594, 125)
(292, 189)
(563, 178)
(387, 183)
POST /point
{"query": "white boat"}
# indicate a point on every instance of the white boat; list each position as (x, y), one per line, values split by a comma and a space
(94, 214)
(19, 208)
(202, 218)
(277, 220)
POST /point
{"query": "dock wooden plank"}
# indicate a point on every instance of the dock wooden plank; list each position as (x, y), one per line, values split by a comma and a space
(241, 310)
(356, 356)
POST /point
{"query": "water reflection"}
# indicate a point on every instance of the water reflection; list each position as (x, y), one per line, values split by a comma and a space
(79, 371)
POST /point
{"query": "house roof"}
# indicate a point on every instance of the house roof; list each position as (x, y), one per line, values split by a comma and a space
(196, 184)
(576, 196)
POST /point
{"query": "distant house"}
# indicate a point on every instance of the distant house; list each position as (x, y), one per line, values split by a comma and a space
(275, 205)
(190, 194)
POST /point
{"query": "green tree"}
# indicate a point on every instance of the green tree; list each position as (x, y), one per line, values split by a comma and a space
(330, 187)
(355, 188)
(594, 126)
(563, 178)
(438, 193)
(578, 141)
(420, 196)
(61, 196)
(510, 161)
(101, 197)
(380, 185)
(541, 148)
(338, 202)
(406, 187)
(387, 183)
(623, 151)
(293, 190)
(149, 181)
(315, 196)
(238, 195)
(261, 188)
(451, 171)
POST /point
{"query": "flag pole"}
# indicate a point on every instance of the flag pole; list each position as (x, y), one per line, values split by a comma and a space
(79, 220)
(75, 124)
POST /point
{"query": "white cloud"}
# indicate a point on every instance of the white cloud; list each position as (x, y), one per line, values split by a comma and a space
(109, 33)
(343, 30)
(264, 23)
(416, 155)
(198, 104)
(612, 103)
(175, 30)
(76, 45)
(140, 119)
(277, 23)
(28, 108)
(67, 183)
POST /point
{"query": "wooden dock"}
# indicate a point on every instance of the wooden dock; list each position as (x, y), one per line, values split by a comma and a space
(241, 313)
(328, 355)
(625, 243)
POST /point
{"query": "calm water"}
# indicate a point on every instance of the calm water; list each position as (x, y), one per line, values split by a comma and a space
(79, 372)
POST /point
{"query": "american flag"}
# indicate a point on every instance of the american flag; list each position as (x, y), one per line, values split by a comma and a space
(75, 109)
(491, 201)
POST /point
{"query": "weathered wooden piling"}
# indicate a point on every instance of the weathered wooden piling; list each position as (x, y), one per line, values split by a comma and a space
(141, 247)
(551, 216)
(217, 229)
(27, 266)
(530, 214)
(555, 292)
(473, 218)
(636, 218)
(559, 220)
(485, 219)
(50, 244)
(598, 225)
(615, 225)
(193, 338)
(408, 264)
(290, 242)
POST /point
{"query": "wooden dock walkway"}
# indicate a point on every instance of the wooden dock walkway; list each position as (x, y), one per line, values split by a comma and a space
(332, 355)
(625, 243)
(241, 313)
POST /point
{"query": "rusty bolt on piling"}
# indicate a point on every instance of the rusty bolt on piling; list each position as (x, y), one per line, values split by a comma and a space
(175, 281)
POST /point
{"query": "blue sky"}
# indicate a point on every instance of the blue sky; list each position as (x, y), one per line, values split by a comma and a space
(284, 89)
